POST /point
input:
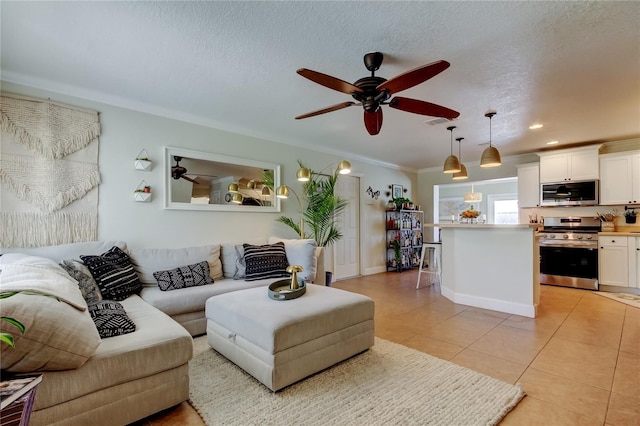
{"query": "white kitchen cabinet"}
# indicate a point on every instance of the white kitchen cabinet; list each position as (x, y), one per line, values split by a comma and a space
(566, 165)
(620, 178)
(529, 185)
(613, 261)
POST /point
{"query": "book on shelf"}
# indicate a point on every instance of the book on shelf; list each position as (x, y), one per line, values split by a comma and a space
(13, 386)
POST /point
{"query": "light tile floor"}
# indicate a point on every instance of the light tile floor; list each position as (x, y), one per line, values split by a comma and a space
(578, 361)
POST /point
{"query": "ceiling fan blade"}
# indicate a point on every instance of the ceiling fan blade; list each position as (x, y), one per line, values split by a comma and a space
(373, 121)
(328, 81)
(190, 180)
(325, 110)
(423, 108)
(413, 77)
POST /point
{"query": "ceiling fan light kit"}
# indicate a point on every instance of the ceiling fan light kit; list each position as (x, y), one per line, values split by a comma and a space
(490, 156)
(451, 163)
(372, 92)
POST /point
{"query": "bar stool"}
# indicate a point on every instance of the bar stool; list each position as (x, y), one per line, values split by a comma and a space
(434, 262)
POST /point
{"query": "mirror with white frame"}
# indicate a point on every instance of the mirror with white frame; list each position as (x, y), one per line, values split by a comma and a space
(197, 180)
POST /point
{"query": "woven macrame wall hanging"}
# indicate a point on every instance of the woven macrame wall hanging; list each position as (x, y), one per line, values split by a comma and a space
(48, 173)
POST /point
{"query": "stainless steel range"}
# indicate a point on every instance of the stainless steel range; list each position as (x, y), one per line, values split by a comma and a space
(569, 252)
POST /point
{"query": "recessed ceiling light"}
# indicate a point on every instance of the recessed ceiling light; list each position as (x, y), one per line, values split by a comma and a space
(535, 126)
(552, 142)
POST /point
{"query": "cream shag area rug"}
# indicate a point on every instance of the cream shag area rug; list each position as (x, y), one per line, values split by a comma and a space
(388, 384)
(627, 298)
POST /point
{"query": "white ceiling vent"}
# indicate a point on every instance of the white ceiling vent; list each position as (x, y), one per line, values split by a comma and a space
(439, 120)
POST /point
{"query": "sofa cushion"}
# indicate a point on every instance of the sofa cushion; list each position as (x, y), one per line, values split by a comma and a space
(265, 261)
(114, 274)
(192, 299)
(184, 276)
(88, 286)
(59, 331)
(241, 266)
(148, 261)
(158, 344)
(68, 251)
(110, 319)
(303, 253)
(229, 256)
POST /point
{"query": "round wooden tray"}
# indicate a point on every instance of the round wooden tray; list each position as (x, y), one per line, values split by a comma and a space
(281, 290)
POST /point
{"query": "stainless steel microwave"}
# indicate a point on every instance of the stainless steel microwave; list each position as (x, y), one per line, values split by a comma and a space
(569, 193)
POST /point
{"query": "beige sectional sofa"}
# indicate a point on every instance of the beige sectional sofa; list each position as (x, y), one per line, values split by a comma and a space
(134, 375)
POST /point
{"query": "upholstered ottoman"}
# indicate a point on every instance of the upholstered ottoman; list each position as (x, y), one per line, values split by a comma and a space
(282, 342)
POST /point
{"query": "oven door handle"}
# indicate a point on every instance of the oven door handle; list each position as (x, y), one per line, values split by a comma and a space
(590, 246)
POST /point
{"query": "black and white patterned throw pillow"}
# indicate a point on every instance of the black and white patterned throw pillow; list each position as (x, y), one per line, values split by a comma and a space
(111, 319)
(265, 261)
(184, 276)
(114, 274)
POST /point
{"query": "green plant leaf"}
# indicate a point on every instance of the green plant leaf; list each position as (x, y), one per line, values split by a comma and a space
(14, 322)
(7, 338)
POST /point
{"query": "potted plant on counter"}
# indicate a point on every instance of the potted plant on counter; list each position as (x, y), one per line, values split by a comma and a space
(630, 215)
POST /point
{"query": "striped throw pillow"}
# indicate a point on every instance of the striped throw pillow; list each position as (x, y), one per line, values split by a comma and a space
(114, 274)
(265, 261)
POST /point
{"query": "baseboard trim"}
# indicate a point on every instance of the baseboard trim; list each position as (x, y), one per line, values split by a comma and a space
(492, 304)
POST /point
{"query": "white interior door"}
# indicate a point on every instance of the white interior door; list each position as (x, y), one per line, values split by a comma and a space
(346, 251)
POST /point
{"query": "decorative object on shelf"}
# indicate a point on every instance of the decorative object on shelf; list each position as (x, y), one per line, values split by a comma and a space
(630, 214)
(451, 163)
(462, 174)
(142, 161)
(472, 197)
(142, 193)
(490, 156)
(402, 203)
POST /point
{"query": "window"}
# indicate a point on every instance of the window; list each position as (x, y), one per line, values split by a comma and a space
(503, 208)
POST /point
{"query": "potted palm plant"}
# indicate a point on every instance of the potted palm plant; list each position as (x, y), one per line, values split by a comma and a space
(319, 207)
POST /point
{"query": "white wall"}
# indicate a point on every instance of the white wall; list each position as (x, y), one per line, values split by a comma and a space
(126, 132)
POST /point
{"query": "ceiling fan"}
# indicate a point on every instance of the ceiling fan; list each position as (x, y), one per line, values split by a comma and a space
(178, 171)
(373, 92)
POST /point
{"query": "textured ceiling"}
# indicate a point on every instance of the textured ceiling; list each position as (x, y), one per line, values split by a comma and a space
(574, 66)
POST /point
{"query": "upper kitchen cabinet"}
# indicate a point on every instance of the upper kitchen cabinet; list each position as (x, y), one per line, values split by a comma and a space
(570, 164)
(529, 185)
(620, 178)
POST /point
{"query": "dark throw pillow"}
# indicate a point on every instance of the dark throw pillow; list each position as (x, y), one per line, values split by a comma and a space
(88, 286)
(114, 274)
(110, 319)
(184, 276)
(265, 261)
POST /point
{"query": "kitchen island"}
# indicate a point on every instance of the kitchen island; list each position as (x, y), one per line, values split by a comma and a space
(491, 266)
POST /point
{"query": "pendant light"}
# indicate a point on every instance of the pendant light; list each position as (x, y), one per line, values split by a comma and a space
(462, 174)
(472, 197)
(490, 156)
(451, 164)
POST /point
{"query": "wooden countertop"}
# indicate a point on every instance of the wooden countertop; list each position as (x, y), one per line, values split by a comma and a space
(620, 234)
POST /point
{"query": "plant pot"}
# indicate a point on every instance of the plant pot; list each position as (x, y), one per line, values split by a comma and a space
(630, 219)
(328, 278)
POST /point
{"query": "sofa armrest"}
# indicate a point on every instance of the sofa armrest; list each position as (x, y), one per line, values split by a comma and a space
(321, 278)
